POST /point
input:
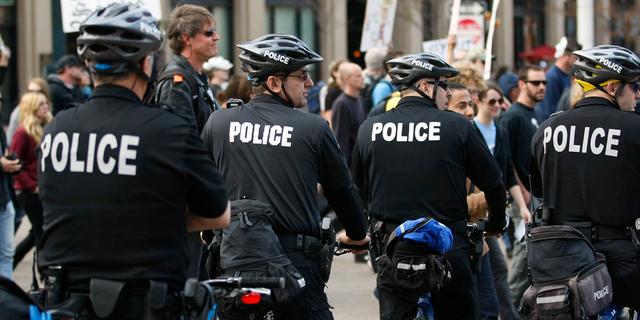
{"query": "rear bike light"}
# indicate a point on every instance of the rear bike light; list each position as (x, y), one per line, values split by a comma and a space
(251, 298)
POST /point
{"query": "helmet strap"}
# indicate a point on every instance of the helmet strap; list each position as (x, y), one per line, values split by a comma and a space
(277, 96)
(618, 92)
(424, 95)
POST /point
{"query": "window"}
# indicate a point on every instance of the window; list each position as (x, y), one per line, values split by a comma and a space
(297, 20)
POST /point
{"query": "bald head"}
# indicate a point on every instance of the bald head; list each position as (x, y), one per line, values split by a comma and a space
(352, 76)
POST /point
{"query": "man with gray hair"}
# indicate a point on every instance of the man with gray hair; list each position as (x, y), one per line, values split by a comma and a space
(374, 72)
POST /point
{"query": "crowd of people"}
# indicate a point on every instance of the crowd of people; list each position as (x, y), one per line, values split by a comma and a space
(406, 137)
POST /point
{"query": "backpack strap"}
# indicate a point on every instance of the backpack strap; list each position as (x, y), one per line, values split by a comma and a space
(179, 75)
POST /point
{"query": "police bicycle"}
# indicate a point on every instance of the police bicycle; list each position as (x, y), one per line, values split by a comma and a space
(197, 298)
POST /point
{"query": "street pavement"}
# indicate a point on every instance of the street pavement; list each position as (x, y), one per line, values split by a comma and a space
(350, 288)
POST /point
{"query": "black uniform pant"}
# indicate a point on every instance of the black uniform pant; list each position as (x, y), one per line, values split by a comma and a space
(623, 262)
(312, 303)
(457, 300)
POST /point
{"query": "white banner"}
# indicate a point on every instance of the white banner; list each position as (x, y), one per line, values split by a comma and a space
(439, 46)
(378, 24)
(74, 12)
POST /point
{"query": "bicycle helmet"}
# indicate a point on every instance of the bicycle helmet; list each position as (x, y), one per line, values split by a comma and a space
(115, 39)
(271, 53)
(405, 71)
(597, 65)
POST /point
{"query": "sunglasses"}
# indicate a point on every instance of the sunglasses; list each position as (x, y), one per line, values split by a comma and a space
(536, 82)
(442, 84)
(635, 86)
(303, 76)
(493, 101)
(38, 91)
(209, 33)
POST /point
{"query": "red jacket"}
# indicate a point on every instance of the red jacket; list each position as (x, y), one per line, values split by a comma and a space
(24, 146)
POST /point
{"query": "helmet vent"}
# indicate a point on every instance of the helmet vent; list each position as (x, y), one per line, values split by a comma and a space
(99, 31)
(97, 48)
(129, 49)
(132, 19)
(264, 45)
(132, 36)
(286, 44)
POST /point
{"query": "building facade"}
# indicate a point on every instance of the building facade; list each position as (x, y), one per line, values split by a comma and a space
(33, 29)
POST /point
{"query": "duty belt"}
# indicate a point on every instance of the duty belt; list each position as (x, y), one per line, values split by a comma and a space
(596, 232)
(455, 226)
(311, 246)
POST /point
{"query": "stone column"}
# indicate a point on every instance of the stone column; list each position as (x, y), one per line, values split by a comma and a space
(33, 24)
(332, 28)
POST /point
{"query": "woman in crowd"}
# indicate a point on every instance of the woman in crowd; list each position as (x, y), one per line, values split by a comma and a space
(35, 85)
(34, 115)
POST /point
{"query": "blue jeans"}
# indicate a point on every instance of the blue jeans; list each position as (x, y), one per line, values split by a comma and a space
(489, 308)
(7, 247)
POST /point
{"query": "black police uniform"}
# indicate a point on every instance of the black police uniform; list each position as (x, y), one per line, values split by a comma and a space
(412, 162)
(115, 177)
(585, 163)
(179, 95)
(275, 154)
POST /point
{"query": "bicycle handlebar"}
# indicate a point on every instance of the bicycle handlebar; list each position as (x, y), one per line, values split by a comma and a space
(239, 282)
(341, 245)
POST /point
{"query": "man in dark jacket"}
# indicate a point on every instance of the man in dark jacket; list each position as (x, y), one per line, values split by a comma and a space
(192, 37)
(64, 84)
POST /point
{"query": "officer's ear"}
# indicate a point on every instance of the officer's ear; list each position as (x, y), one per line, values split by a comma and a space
(274, 84)
(147, 65)
(611, 88)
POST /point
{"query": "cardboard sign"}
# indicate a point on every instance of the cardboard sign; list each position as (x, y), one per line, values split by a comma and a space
(378, 24)
(74, 12)
(439, 46)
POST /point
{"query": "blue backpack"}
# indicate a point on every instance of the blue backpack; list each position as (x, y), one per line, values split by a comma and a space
(313, 98)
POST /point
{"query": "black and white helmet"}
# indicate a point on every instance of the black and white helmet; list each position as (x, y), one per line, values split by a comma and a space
(116, 38)
(599, 64)
(410, 68)
(271, 53)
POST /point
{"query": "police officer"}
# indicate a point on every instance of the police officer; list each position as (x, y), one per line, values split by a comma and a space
(586, 161)
(412, 162)
(116, 176)
(273, 153)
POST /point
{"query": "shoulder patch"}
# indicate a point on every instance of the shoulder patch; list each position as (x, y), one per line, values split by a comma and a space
(177, 78)
(556, 113)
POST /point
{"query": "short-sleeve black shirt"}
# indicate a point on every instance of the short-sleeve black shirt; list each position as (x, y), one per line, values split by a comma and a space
(115, 179)
(521, 123)
(413, 160)
(586, 164)
(275, 154)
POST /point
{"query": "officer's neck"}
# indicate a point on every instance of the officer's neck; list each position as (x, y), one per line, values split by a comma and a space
(598, 94)
(134, 83)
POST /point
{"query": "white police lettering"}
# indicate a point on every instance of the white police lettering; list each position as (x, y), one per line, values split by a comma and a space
(420, 131)
(601, 293)
(616, 67)
(60, 152)
(250, 133)
(591, 140)
(152, 30)
(422, 64)
(277, 57)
